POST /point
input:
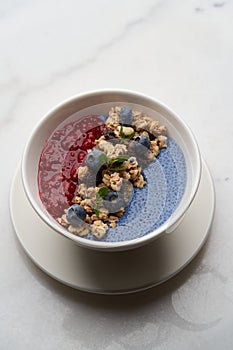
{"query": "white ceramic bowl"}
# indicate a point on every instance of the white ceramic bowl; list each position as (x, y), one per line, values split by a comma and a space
(95, 102)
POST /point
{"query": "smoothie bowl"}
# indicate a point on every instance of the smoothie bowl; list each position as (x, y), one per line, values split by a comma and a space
(111, 169)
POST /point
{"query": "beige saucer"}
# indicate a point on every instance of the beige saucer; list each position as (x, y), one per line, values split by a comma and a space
(116, 272)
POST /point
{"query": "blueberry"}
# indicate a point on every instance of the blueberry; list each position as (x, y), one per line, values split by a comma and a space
(143, 140)
(114, 201)
(126, 116)
(141, 145)
(127, 192)
(109, 134)
(132, 159)
(93, 179)
(99, 177)
(103, 117)
(89, 180)
(95, 159)
(75, 214)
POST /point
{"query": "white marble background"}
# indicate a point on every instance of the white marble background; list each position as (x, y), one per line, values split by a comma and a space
(178, 51)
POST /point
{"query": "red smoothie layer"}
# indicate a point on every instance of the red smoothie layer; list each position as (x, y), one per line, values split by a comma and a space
(60, 158)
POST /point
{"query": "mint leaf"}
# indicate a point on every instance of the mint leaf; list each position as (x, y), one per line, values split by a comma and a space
(120, 159)
(103, 159)
(98, 200)
(96, 211)
(103, 191)
(122, 135)
(117, 169)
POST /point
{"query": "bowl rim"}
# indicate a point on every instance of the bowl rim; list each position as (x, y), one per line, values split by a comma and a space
(101, 245)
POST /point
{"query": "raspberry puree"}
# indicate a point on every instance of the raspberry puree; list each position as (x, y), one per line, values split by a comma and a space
(60, 158)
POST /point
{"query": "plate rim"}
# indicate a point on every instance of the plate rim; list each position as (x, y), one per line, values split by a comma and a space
(120, 291)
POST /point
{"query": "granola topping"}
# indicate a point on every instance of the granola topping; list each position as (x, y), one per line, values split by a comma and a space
(113, 181)
(99, 229)
(111, 166)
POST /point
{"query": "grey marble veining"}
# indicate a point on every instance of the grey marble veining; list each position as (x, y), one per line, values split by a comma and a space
(181, 52)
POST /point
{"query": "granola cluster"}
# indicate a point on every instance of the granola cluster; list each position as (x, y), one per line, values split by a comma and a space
(111, 170)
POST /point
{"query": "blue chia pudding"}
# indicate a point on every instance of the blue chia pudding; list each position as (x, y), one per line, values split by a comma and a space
(152, 206)
(130, 180)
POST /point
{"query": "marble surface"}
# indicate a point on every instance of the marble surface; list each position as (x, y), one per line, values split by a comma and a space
(178, 51)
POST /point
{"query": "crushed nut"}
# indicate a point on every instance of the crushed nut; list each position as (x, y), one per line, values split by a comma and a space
(63, 221)
(124, 174)
(102, 138)
(162, 141)
(127, 130)
(82, 190)
(139, 182)
(99, 229)
(82, 172)
(110, 150)
(144, 132)
(119, 149)
(113, 118)
(81, 230)
(103, 214)
(113, 218)
(154, 148)
(135, 173)
(114, 181)
(131, 163)
(88, 205)
(106, 147)
(120, 213)
(91, 192)
(78, 199)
